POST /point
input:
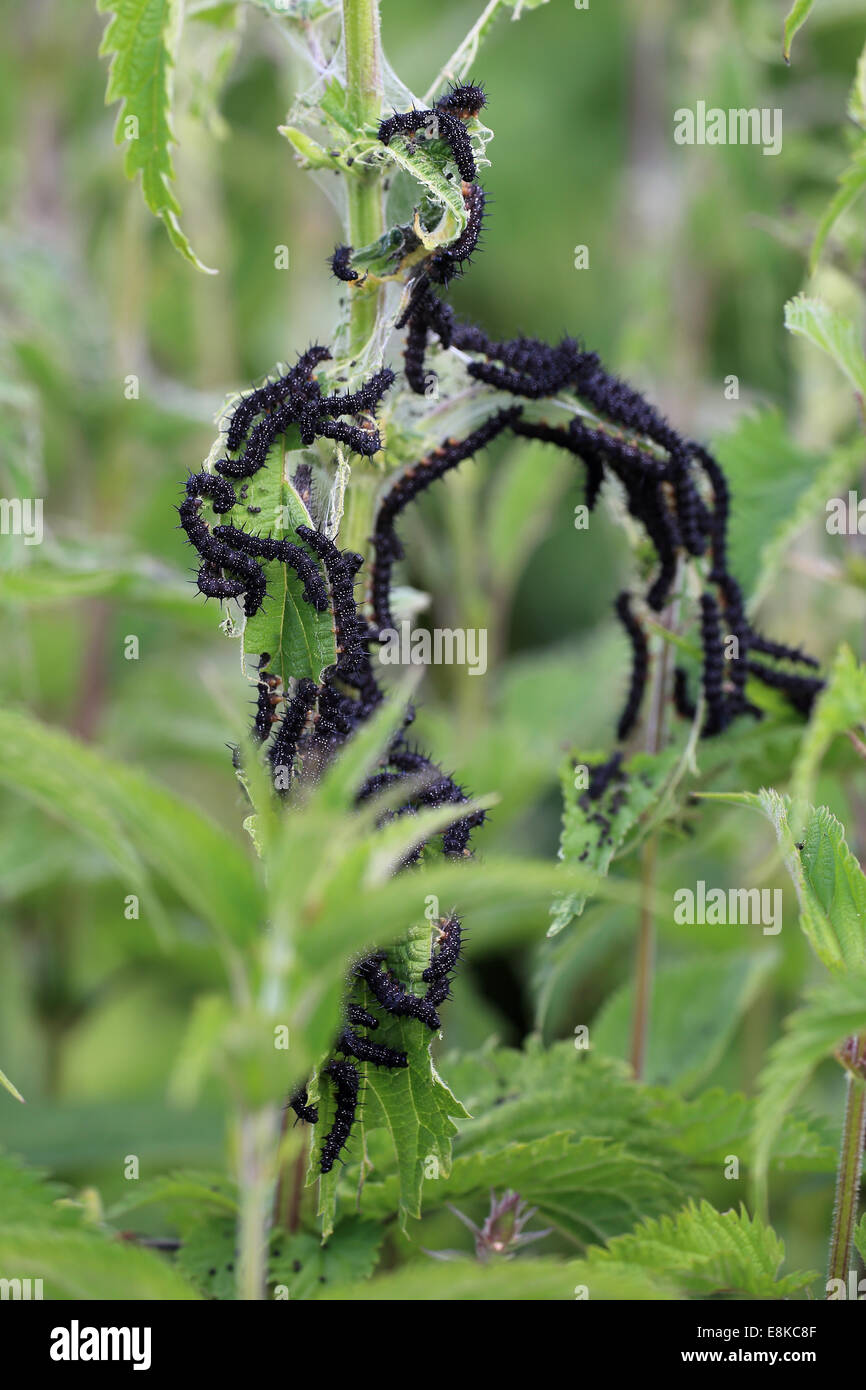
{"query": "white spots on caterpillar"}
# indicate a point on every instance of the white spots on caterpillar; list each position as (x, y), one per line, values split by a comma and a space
(282, 257)
(581, 257)
(281, 1037)
(22, 516)
(431, 908)
(131, 907)
(131, 387)
(581, 1037)
(581, 517)
(130, 128)
(431, 1168)
(732, 388)
(131, 1168)
(731, 646)
(130, 647)
(732, 1167)
(581, 777)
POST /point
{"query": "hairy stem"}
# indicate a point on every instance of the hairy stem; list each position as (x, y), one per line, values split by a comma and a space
(257, 1149)
(646, 931)
(848, 1174)
(364, 100)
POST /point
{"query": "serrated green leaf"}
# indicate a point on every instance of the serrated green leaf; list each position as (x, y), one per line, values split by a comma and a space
(589, 1189)
(708, 1128)
(134, 820)
(794, 20)
(706, 1252)
(594, 830)
(208, 1256)
(141, 39)
(412, 1104)
(696, 1007)
(827, 1017)
(839, 709)
(301, 641)
(186, 1197)
(831, 332)
(45, 1235)
(429, 173)
(776, 488)
(830, 885)
(307, 1269)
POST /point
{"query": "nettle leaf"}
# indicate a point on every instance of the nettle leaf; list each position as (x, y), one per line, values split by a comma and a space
(429, 172)
(704, 1252)
(301, 641)
(828, 1016)
(830, 885)
(142, 39)
(696, 1009)
(839, 709)
(134, 820)
(594, 830)
(412, 1104)
(776, 489)
(590, 1189)
(208, 1256)
(707, 1128)
(307, 1269)
(794, 20)
(184, 1197)
(45, 1235)
(830, 331)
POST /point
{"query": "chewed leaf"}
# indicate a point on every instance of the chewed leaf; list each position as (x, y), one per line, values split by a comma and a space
(593, 830)
(299, 640)
(141, 39)
(422, 167)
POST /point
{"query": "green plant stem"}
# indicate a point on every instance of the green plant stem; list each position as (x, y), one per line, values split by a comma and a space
(646, 943)
(364, 101)
(258, 1140)
(848, 1175)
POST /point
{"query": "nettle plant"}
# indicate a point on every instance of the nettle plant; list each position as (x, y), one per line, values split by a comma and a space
(341, 932)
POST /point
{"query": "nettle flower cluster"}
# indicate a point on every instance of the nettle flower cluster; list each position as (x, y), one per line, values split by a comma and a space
(559, 394)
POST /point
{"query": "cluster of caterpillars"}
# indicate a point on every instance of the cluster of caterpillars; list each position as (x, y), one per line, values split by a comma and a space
(672, 486)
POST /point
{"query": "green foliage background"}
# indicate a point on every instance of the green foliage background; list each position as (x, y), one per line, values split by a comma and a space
(693, 253)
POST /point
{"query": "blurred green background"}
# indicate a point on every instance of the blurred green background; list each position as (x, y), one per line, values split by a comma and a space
(692, 255)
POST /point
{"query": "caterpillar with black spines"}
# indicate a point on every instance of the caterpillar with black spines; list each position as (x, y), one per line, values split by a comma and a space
(346, 1084)
(284, 747)
(640, 665)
